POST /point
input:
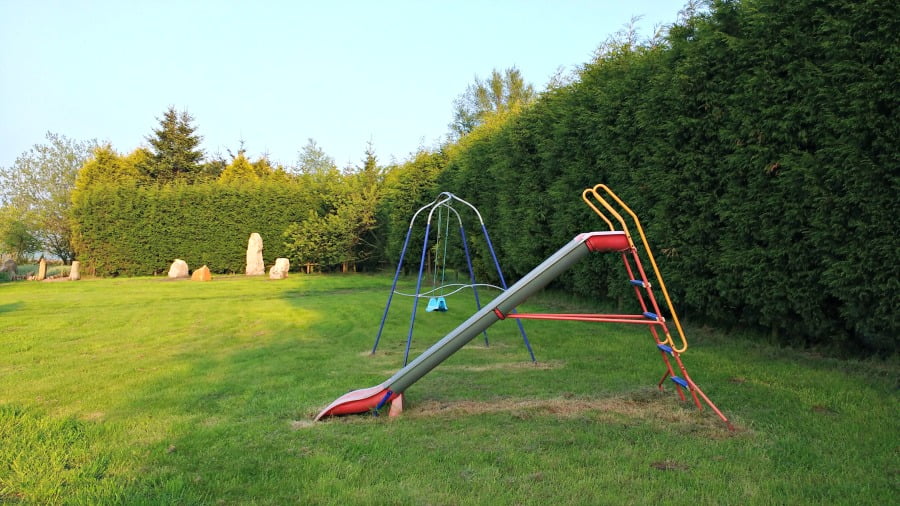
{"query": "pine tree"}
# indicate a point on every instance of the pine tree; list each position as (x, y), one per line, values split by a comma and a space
(175, 149)
(240, 170)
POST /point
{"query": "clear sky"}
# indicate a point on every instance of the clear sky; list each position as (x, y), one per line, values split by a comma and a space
(276, 73)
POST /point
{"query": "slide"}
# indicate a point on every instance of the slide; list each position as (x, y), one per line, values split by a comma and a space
(362, 401)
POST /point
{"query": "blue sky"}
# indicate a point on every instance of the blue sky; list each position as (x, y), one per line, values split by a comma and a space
(278, 73)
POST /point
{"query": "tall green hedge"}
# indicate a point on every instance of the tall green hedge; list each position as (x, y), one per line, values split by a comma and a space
(759, 147)
(134, 230)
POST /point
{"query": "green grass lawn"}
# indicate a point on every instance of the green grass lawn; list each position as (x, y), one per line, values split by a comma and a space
(149, 391)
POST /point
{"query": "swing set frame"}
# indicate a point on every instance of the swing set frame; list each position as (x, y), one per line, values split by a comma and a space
(443, 203)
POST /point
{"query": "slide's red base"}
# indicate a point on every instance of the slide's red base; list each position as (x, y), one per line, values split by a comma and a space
(357, 401)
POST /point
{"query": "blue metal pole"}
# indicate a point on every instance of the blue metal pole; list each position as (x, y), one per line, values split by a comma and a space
(412, 319)
(393, 288)
(462, 232)
(487, 238)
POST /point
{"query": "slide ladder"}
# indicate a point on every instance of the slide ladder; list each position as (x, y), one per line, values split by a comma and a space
(619, 240)
(669, 349)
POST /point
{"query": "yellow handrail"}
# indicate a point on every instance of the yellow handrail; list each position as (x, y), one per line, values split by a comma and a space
(591, 204)
(637, 222)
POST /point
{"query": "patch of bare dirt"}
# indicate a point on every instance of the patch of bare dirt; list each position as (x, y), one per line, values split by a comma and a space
(302, 424)
(95, 416)
(669, 465)
(645, 406)
(824, 410)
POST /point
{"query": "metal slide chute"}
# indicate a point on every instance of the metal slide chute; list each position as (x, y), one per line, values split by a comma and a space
(367, 399)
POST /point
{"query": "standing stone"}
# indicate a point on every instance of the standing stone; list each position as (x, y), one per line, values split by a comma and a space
(201, 274)
(255, 265)
(75, 271)
(42, 270)
(9, 266)
(280, 269)
(179, 269)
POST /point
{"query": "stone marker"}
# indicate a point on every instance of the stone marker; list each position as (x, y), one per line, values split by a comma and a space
(201, 274)
(280, 269)
(179, 269)
(75, 271)
(42, 270)
(255, 265)
(9, 266)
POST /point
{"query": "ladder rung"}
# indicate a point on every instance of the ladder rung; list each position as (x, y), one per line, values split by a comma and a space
(652, 316)
(666, 348)
(637, 282)
(680, 381)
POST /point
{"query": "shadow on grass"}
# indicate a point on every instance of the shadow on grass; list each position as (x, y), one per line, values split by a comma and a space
(226, 421)
(10, 307)
(224, 415)
(213, 424)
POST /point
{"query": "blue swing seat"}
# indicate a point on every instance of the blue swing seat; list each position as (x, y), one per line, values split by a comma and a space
(436, 304)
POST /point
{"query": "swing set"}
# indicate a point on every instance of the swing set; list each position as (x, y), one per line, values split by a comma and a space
(443, 207)
(439, 303)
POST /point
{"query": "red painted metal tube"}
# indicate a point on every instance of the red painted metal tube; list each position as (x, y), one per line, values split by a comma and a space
(631, 319)
(710, 404)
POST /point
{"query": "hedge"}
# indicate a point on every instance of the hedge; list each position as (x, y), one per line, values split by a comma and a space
(758, 146)
(133, 230)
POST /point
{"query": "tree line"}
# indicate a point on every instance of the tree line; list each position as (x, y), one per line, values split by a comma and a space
(68, 197)
(755, 139)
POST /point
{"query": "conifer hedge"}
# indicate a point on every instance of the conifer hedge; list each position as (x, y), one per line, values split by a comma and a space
(134, 230)
(758, 145)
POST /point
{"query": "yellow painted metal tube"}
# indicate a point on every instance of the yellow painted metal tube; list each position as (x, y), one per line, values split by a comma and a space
(584, 196)
(610, 209)
(593, 192)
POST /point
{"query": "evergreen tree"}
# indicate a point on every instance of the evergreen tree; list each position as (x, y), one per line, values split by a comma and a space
(342, 233)
(106, 166)
(175, 149)
(212, 168)
(239, 170)
(498, 94)
(313, 160)
(318, 172)
(264, 169)
(370, 174)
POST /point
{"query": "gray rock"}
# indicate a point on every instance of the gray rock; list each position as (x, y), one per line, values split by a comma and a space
(179, 269)
(280, 269)
(10, 267)
(42, 270)
(202, 274)
(255, 265)
(75, 271)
